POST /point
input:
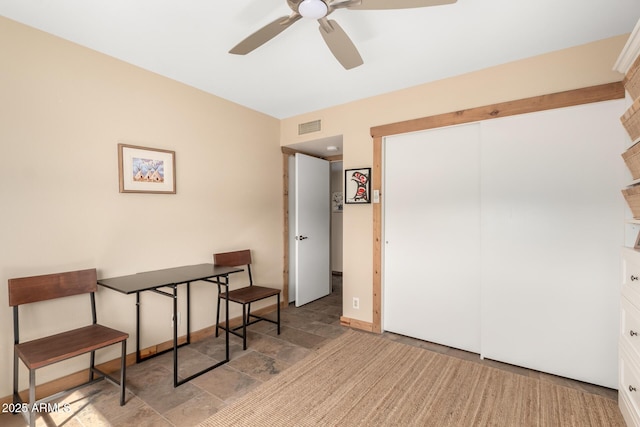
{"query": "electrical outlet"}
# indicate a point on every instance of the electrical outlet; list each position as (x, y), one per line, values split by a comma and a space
(356, 303)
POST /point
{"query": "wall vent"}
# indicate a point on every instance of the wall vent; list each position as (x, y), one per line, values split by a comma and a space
(309, 127)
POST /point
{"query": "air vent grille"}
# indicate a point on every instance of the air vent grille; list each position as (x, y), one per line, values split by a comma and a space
(309, 127)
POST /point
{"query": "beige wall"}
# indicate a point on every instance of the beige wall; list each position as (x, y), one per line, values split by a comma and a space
(63, 109)
(573, 68)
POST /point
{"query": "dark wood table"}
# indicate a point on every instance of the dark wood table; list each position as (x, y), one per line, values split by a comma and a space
(152, 281)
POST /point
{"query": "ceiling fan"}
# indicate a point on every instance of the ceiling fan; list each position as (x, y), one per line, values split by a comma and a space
(334, 36)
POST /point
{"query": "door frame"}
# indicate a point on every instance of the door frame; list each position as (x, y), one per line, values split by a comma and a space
(604, 92)
(286, 153)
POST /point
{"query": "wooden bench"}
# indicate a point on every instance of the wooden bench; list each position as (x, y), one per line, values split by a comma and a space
(47, 350)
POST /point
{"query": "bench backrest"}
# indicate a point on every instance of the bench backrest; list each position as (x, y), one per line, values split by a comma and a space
(235, 259)
(26, 290)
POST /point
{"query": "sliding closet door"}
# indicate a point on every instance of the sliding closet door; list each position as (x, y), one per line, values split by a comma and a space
(552, 228)
(432, 236)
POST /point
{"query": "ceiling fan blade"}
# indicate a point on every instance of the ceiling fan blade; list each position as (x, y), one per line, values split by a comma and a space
(396, 4)
(264, 34)
(340, 44)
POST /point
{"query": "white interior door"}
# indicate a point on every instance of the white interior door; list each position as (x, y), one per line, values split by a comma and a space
(432, 236)
(312, 229)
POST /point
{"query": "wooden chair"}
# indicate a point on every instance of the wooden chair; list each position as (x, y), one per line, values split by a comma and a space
(245, 296)
(47, 350)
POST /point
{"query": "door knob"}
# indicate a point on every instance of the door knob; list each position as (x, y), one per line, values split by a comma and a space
(634, 278)
(633, 333)
(301, 237)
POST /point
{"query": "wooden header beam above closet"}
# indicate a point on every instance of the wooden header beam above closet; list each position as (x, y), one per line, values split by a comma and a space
(604, 92)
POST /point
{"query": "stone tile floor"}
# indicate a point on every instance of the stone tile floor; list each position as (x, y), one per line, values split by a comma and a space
(153, 401)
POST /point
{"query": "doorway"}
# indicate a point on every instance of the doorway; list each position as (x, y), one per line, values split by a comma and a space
(337, 205)
(316, 148)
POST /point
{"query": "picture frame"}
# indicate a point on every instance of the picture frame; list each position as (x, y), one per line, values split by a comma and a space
(357, 186)
(146, 170)
(637, 244)
(337, 202)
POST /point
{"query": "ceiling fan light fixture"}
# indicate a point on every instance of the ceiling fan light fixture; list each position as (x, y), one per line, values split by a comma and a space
(313, 9)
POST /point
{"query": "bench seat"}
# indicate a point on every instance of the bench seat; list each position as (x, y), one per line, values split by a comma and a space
(56, 348)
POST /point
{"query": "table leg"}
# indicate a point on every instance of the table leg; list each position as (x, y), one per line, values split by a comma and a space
(226, 313)
(175, 336)
(222, 280)
(138, 358)
(188, 312)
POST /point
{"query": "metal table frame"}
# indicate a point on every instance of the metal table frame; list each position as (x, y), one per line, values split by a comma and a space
(172, 278)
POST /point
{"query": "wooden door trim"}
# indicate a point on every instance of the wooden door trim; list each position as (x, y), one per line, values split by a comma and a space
(567, 98)
(604, 92)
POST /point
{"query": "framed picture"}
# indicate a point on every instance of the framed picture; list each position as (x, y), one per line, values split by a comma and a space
(337, 202)
(357, 186)
(146, 170)
(637, 244)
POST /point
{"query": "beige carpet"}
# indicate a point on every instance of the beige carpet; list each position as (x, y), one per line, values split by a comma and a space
(361, 379)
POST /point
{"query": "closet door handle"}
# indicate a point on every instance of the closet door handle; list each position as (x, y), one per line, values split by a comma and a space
(634, 278)
(632, 388)
(633, 333)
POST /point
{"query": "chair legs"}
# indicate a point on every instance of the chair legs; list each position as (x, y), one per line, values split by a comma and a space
(31, 416)
(246, 320)
(92, 365)
(218, 316)
(33, 405)
(278, 311)
(17, 400)
(15, 377)
(123, 369)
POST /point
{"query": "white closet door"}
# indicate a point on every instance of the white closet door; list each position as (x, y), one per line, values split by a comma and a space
(432, 236)
(552, 228)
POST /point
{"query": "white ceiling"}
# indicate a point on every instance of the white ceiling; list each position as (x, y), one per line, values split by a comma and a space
(188, 40)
